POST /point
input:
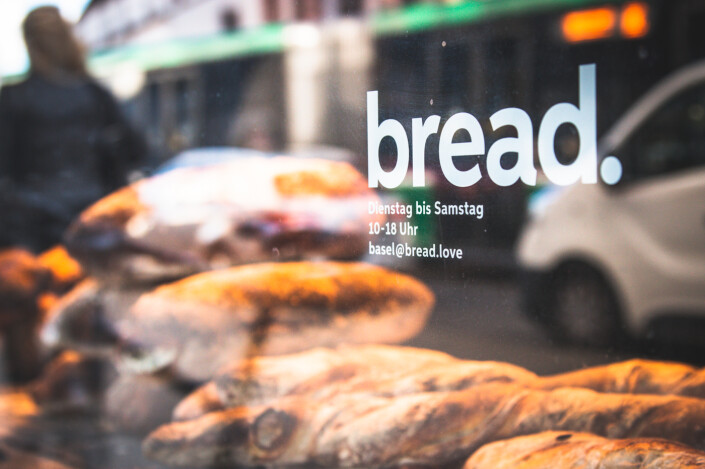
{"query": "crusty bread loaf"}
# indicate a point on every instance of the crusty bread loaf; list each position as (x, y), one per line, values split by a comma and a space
(561, 450)
(457, 375)
(247, 210)
(320, 372)
(219, 317)
(634, 376)
(426, 428)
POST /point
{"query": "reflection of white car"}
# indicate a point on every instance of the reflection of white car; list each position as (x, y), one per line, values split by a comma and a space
(600, 259)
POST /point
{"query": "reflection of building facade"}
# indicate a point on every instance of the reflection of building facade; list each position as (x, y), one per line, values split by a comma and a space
(108, 23)
(271, 98)
(325, 44)
(266, 61)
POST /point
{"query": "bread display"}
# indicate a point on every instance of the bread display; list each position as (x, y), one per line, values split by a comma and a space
(551, 450)
(375, 370)
(322, 373)
(635, 376)
(289, 364)
(215, 318)
(247, 210)
(423, 429)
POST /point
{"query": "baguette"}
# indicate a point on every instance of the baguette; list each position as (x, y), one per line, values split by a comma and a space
(323, 373)
(210, 319)
(320, 372)
(396, 377)
(405, 377)
(422, 429)
(550, 450)
(634, 376)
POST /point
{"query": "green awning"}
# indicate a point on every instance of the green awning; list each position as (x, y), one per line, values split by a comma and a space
(188, 51)
(424, 16)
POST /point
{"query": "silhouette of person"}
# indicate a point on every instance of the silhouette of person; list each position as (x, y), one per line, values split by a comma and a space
(64, 142)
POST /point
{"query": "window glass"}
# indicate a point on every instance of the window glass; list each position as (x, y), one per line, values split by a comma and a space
(374, 234)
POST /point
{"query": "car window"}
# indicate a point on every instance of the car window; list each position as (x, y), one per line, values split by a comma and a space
(672, 140)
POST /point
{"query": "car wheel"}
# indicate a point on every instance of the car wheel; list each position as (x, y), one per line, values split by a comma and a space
(583, 308)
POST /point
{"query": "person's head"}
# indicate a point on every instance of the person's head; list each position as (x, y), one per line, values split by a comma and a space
(53, 49)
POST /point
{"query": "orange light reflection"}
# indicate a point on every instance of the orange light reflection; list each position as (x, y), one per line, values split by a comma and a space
(635, 20)
(586, 25)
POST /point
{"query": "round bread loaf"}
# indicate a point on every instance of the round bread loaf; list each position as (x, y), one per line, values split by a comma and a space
(215, 318)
